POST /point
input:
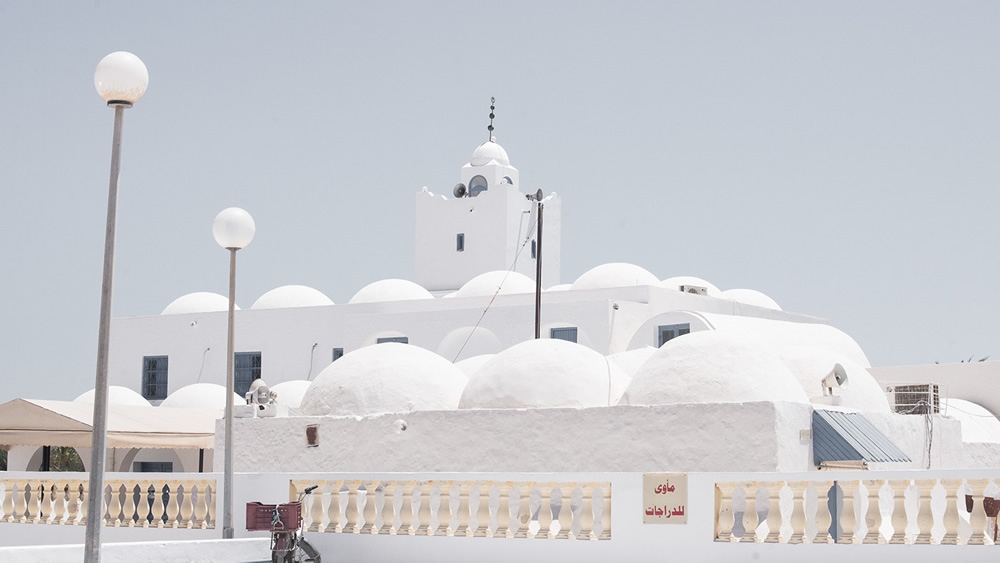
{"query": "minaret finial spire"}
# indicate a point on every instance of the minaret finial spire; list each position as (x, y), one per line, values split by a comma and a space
(493, 102)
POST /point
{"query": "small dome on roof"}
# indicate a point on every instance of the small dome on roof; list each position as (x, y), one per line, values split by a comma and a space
(487, 284)
(290, 393)
(291, 296)
(117, 395)
(197, 302)
(751, 297)
(677, 281)
(810, 364)
(390, 290)
(545, 373)
(470, 366)
(712, 367)
(488, 151)
(978, 424)
(631, 360)
(200, 395)
(381, 378)
(616, 274)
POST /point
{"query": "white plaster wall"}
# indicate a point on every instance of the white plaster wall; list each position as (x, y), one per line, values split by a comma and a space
(702, 437)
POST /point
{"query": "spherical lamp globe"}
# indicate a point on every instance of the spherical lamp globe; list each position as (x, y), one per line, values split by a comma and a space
(233, 228)
(121, 78)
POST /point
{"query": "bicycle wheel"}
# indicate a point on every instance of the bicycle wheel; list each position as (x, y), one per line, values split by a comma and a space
(306, 552)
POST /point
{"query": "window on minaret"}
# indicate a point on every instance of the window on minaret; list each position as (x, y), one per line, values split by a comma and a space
(534, 249)
(477, 184)
(460, 242)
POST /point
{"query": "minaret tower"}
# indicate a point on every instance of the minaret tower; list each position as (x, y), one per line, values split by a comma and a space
(487, 225)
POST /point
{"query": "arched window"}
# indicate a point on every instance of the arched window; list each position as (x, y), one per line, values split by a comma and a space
(477, 184)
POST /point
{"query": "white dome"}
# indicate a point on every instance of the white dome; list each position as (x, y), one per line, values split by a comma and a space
(390, 290)
(810, 364)
(117, 395)
(488, 151)
(198, 302)
(712, 367)
(200, 395)
(631, 360)
(545, 373)
(978, 424)
(291, 296)
(616, 274)
(751, 297)
(390, 377)
(290, 393)
(470, 366)
(487, 284)
(468, 341)
(677, 281)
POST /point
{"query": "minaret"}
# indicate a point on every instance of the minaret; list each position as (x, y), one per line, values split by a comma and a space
(487, 224)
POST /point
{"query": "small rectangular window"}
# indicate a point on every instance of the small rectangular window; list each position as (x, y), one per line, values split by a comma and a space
(564, 333)
(666, 333)
(154, 377)
(153, 467)
(460, 242)
(338, 353)
(247, 370)
(534, 250)
(402, 339)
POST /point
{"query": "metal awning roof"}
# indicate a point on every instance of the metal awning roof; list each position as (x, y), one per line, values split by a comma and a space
(25, 422)
(849, 436)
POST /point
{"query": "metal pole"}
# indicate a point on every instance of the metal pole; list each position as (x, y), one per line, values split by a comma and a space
(227, 484)
(95, 492)
(538, 275)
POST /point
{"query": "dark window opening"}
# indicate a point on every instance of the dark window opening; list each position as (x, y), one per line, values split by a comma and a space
(154, 377)
(666, 333)
(460, 242)
(247, 370)
(401, 339)
(564, 333)
(338, 353)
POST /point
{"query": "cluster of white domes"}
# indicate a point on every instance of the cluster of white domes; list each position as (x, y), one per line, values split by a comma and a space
(200, 395)
(605, 276)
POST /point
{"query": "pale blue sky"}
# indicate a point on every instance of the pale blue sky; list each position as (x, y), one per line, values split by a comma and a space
(838, 156)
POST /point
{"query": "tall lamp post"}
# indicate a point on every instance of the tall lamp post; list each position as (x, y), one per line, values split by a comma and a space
(121, 79)
(233, 229)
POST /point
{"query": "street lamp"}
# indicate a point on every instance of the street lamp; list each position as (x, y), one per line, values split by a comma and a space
(120, 79)
(233, 229)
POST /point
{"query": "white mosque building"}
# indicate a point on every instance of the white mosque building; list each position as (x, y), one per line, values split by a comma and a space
(634, 372)
(624, 354)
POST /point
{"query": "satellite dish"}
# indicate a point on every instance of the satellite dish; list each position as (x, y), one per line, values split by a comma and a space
(460, 190)
(837, 378)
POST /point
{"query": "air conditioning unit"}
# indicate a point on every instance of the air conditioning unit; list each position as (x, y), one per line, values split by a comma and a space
(696, 289)
(923, 398)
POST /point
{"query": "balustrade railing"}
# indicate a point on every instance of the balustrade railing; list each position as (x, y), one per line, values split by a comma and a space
(491, 509)
(146, 503)
(861, 511)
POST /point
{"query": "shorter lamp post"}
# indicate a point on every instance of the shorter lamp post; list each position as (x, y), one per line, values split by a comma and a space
(121, 79)
(233, 229)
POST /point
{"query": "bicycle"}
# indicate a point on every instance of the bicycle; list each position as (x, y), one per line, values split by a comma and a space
(284, 521)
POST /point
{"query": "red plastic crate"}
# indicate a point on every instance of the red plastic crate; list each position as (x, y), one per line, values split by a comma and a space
(260, 516)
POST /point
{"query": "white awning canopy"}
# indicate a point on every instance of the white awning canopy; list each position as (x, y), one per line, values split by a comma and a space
(27, 422)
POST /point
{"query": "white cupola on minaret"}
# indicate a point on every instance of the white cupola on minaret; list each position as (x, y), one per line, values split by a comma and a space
(487, 225)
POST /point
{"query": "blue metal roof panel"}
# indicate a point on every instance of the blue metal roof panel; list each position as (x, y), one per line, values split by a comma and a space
(844, 436)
